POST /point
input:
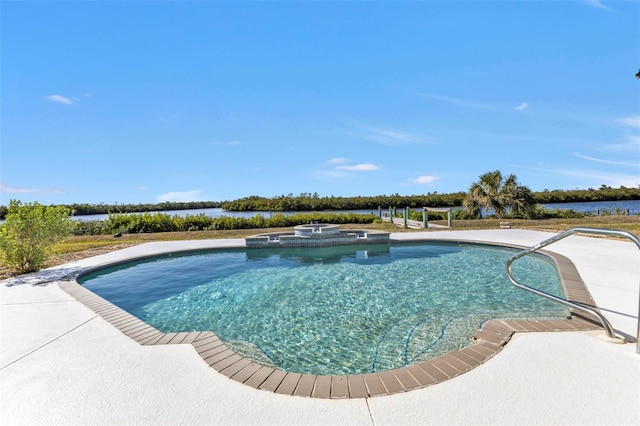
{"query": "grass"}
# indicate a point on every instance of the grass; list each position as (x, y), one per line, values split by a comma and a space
(83, 243)
(79, 247)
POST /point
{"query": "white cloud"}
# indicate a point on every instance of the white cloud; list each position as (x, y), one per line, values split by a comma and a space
(472, 104)
(423, 180)
(141, 188)
(594, 178)
(630, 121)
(631, 146)
(365, 167)
(391, 136)
(600, 160)
(338, 168)
(183, 196)
(597, 4)
(337, 160)
(386, 136)
(330, 174)
(11, 190)
(456, 101)
(59, 99)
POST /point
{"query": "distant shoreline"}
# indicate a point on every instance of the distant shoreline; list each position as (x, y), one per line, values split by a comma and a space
(307, 202)
(583, 207)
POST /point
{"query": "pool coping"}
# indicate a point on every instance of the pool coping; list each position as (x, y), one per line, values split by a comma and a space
(485, 343)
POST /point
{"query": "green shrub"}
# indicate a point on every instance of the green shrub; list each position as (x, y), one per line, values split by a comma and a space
(417, 215)
(226, 223)
(197, 222)
(90, 227)
(277, 221)
(29, 231)
(612, 212)
(160, 222)
(541, 212)
(462, 214)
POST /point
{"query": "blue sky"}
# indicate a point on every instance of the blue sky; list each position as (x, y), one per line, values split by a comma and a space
(144, 102)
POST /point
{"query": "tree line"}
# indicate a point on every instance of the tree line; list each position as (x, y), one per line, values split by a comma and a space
(604, 193)
(314, 202)
(83, 209)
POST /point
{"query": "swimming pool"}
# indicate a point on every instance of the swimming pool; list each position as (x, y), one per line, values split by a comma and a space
(332, 310)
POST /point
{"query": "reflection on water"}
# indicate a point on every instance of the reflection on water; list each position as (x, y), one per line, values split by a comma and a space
(331, 254)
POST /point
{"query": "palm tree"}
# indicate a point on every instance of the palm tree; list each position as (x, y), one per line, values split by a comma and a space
(492, 192)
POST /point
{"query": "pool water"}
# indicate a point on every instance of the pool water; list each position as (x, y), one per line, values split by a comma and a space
(333, 310)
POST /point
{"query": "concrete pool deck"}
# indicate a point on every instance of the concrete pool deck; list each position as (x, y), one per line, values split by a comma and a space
(60, 363)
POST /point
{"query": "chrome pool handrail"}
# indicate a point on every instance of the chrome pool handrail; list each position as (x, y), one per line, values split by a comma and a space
(605, 323)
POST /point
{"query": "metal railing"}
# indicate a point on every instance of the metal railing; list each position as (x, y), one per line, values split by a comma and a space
(611, 232)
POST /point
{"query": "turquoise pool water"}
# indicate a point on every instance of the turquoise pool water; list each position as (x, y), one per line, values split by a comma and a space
(333, 310)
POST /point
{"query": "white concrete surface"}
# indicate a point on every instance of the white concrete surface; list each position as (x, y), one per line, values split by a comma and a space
(539, 378)
(61, 364)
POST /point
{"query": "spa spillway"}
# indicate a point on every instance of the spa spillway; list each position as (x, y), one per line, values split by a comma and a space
(317, 234)
(316, 229)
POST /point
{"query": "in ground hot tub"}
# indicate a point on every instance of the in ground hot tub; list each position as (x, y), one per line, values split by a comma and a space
(317, 234)
(317, 229)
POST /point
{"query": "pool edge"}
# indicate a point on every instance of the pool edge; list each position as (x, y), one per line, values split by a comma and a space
(485, 343)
